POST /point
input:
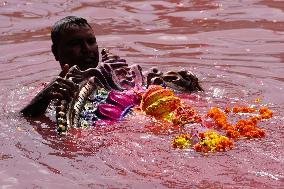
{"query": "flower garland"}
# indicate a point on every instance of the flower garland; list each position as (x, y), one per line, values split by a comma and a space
(163, 105)
(182, 141)
(185, 114)
(244, 127)
(208, 141)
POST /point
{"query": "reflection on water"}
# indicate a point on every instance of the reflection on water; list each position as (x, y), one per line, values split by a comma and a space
(234, 47)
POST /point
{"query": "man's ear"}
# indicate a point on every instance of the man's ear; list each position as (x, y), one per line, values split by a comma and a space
(54, 51)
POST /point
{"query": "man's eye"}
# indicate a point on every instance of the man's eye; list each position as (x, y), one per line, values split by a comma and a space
(92, 41)
(73, 43)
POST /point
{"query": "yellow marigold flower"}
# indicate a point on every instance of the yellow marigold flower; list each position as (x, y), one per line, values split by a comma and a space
(257, 100)
(212, 142)
(182, 141)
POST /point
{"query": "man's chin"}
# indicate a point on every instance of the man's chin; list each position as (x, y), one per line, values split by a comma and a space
(87, 66)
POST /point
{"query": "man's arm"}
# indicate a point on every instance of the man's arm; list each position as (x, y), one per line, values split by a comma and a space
(37, 106)
(59, 88)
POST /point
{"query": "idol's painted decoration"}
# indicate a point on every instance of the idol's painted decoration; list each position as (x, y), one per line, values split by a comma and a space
(106, 98)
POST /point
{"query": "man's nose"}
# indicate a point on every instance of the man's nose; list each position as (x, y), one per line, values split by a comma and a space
(85, 46)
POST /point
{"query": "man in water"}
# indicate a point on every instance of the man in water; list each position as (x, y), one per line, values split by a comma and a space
(74, 46)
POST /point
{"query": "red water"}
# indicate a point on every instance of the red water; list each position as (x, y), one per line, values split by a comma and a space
(235, 48)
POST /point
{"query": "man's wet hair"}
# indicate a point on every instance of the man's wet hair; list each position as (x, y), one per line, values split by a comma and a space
(65, 23)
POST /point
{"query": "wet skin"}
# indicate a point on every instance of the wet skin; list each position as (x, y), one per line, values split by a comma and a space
(77, 46)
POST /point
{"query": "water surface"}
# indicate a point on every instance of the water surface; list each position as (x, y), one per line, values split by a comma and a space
(234, 47)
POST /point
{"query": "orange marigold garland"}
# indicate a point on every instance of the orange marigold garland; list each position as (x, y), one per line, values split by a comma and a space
(220, 119)
(243, 109)
(162, 104)
(265, 113)
(184, 115)
(210, 141)
(244, 127)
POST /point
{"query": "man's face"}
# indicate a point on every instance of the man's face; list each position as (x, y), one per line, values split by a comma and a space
(78, 46)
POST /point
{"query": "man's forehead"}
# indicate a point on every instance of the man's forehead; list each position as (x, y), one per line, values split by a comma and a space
(73, 28)
(75, 31)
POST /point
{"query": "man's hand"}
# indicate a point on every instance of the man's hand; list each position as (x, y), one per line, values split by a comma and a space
(64, 86)
(58, 89)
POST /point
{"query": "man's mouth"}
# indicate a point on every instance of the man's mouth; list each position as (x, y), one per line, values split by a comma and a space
(89, 60)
